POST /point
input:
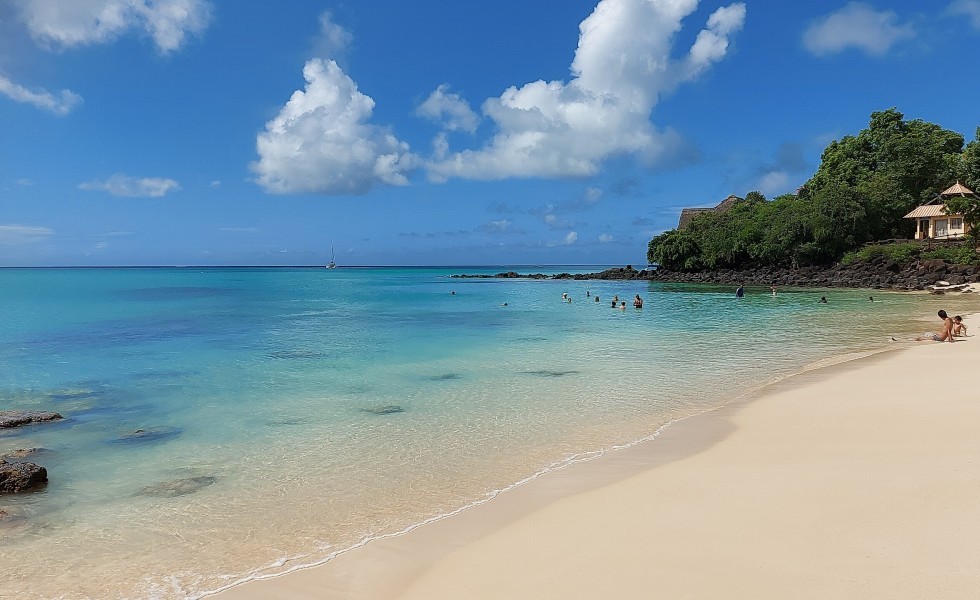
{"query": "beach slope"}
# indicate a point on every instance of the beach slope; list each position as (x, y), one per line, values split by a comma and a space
(857, 481)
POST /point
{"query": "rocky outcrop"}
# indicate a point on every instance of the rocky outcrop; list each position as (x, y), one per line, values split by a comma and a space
(878, 273)
(21, 477)
(16, 418)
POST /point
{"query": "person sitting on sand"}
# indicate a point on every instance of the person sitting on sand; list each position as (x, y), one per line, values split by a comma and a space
(637, 301)
(944, 335)
(959, 327)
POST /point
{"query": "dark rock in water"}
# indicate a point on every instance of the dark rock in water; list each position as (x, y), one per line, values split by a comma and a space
(16, 418)
(387, 409)
(21, 477)
(149, 435)
(289, 354)
(178, 487)
(21, 453)
(550, 373)
(446, 377)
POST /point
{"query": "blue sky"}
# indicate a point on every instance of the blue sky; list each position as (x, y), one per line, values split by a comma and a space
(211, 132)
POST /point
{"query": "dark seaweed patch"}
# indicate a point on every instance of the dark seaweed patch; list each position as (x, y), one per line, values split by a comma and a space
(149, 435)
(446, 377)
(547, 373)
(387, 409)
(178, 487)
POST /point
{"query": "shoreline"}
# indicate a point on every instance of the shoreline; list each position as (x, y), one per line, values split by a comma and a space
(381, 567)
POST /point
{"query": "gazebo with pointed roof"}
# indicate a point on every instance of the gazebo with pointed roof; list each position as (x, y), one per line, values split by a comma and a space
(932, 220)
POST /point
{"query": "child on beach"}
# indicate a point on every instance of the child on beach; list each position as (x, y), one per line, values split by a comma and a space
(959, 327)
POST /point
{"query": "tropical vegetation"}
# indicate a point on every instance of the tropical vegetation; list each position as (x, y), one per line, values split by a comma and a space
(864, 186)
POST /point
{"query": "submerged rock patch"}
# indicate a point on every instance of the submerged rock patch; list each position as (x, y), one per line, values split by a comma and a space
(446, 377)
(16, 418)
(178, 487)
(547, 373)
(386, 409)
(148, 435)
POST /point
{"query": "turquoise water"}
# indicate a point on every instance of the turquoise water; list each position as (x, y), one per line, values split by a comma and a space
(223, 423)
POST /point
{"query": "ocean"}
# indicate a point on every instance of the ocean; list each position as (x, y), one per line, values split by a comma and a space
(223, 423)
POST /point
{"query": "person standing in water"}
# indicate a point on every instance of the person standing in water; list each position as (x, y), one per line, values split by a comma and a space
(637, 301)
(740, 292)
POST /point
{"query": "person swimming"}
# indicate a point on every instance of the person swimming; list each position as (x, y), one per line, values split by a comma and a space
(823, 299)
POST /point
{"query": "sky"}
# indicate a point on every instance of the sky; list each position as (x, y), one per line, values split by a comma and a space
(517, 132)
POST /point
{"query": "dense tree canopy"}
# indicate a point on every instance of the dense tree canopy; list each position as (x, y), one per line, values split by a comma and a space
(863, 188)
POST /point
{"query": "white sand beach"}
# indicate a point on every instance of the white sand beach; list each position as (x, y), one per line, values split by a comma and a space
(860, 480)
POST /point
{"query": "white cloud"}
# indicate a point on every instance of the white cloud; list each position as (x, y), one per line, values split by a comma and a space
(966, 8)
(215, 184)
(61, 103)
(621, 68)
(133, 187)
(593, 195)
(321, 141)
(24, 182)
(605, 238)
(16, 235)
(856, 25)
(450, 109)
(571, 238)
(499, 226)
(67, 23)
(773, 183)
(333, 40)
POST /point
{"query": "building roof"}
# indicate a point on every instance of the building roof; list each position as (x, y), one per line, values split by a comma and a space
(925, 211)
(957, 190)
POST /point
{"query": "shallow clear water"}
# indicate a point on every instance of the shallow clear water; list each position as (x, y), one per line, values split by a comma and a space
(289, 413)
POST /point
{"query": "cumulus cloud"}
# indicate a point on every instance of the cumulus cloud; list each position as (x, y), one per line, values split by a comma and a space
(322, 141)
(859, 26)
(606, 238)
(571, 238)
(65, 24)
(966, 8)
(622, 66)
(61, 103)
(133, 187)
(16, 235)
(449, 109)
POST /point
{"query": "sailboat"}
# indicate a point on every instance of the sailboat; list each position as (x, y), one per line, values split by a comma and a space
(331, 264)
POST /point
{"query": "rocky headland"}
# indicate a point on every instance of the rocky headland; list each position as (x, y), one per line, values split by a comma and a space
(877, 273)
